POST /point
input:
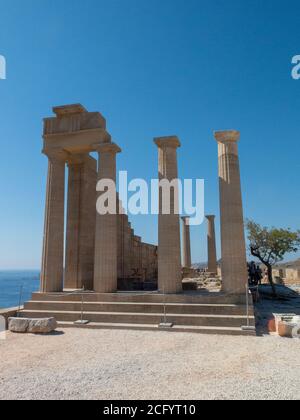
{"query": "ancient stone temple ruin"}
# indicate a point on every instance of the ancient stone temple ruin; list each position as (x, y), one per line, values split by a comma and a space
(102, 252)
(95, 266)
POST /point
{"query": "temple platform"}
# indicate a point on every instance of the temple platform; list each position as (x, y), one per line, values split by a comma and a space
(202, 312)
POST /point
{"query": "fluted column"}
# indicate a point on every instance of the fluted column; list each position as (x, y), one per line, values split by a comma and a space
(106, 244)
(169, 253)
(234, 265)
(88, 224)
(81, 219)
(211, 245)
(52, 271)
(186, 239)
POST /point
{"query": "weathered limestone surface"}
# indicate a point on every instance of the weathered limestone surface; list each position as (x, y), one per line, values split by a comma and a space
(34, 326)
(186, 239)
(18, 325)
(211, 245)
(136, 259)
(234, 266)
(8, 313)
(292, 276)
(53, 243)
(99, 249)
(81, 222)
(105, 270)
(149, 262)
(122, 221)
(73, 131)
(169, 252)
(289, 328)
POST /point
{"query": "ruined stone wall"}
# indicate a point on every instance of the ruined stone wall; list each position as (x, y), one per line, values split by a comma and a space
(292, 276)
(136, 259)
(286, 276)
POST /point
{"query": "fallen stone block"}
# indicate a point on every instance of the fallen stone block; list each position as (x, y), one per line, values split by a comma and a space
(42, 326)
(281, 318)
(34, 326)
(289, 328)
(18, 325)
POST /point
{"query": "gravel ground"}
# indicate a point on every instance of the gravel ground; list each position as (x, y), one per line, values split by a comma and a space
(101, 364)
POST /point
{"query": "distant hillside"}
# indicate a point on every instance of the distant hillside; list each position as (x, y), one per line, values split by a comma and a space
(290, 264)
(199, 266)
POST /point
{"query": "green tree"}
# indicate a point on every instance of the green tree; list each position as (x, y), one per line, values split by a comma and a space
(270, 245)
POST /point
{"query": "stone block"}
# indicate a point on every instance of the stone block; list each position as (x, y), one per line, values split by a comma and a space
(289, 327)
(292, 276)
(34, 326)
(42, 326)
(18, 325)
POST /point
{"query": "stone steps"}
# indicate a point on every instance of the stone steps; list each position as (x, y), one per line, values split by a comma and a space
(210, 313)
(154, 327)
(144, 297)
(138, 307)
(142, 318)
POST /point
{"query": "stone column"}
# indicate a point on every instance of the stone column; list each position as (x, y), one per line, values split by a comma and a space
(52, 271)
(81, 219)
(234, 265)
(169, 253)
(106, 244)
(211, 245)
(88, 224)
(127, 250)
(186, 239)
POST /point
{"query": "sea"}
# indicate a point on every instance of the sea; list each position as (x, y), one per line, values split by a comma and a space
(17, 286)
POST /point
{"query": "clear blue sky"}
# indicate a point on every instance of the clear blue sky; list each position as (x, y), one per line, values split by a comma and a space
(152, 68)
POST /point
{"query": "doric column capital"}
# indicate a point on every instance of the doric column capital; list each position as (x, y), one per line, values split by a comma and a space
(79, 159)
(165, 142)
(105, 139)
(112, 148)
(226, 136)
(56, 154)
(227, 142)
(76, 159)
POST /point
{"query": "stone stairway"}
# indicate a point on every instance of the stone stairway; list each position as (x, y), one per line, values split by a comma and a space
(211, 313)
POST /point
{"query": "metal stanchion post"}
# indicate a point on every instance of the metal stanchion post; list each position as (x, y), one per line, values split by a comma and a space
(20, 298)
(165, 323)
(81, 321)
(247, 327)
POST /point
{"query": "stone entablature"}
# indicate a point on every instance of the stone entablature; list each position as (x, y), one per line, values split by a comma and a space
(74, 130)
(71, 123)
